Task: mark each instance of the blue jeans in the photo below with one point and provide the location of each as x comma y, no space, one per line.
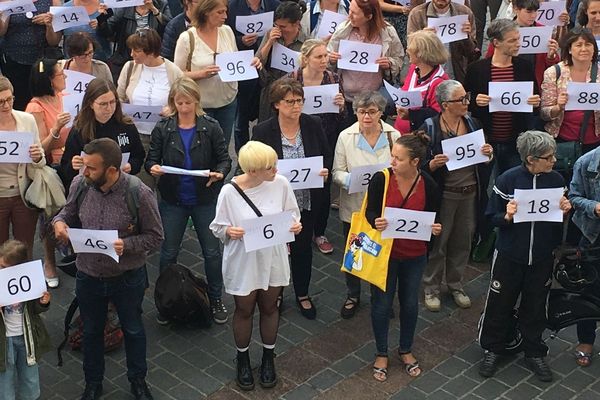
19,380
406,276
126,293
586,330
226,117
247,110
174,219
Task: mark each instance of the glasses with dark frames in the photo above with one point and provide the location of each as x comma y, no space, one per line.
465,100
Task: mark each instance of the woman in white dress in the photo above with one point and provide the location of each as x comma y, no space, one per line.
254,277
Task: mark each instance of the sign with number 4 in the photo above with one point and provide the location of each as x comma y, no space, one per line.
68,17
538,205
94,241
21,283
267,231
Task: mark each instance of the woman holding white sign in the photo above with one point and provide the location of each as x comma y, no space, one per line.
463,197
579,64
287,32
81,46
410,189
296,135
256,277
366,143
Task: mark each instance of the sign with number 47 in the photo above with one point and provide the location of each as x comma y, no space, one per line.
21,283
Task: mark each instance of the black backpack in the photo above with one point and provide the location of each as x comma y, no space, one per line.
182,297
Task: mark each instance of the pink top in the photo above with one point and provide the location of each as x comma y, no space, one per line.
50,114
571,125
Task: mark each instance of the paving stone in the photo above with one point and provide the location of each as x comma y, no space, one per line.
429,382
301,392
299,364
226,393
578,380
563,364
452,367
325,379
351,389
472,353
186,392
442,395
221,371
409,393
460,386
512,374
348,365
587,395
558,392
162,379
449,334
523,391
294,334
491,389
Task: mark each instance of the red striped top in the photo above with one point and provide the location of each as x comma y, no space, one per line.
502,120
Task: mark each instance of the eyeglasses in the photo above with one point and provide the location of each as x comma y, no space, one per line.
465,100
106,104
370,113
8,100
293,102
547,158
85,55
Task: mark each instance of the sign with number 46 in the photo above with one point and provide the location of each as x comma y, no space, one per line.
94,241
267,231
21,283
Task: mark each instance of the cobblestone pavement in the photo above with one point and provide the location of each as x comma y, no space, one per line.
328,358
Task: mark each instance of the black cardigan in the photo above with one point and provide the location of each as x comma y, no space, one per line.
314,141
478,76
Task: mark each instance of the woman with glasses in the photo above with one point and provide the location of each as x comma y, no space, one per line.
365,24
463,197
579,62
47,83
286,32
367,142
101,116
296,135
81,47
426,54
16,178
188,138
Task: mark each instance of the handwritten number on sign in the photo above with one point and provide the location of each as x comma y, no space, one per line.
73,17
451,29
285,60
363,60
542,207
366,179
296,173
141,115
549,14
514,99
333,27
254,27
4,147
403,223
80,88
98,243
231,67
533,42
268,233
13,288
583,98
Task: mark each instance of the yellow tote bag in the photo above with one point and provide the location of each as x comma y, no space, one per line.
367,254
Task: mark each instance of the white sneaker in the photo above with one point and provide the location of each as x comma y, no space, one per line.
432,302
461,299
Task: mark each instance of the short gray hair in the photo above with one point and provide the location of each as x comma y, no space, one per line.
500,27
535,144
444,91
366,99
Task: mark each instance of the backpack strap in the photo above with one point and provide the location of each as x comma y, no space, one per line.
246,198
129,73
132,198
557,70
471,123
188,64
68,319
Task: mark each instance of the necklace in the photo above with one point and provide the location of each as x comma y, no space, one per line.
449,131
291,139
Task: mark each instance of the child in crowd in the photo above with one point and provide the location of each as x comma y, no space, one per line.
26,336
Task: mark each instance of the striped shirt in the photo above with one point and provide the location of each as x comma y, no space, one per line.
502,120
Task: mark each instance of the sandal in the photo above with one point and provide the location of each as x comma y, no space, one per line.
412,369
583,359
348,312
380,373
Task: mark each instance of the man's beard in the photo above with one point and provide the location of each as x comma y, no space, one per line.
97,183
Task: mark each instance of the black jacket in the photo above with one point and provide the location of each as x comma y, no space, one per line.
314,141
174,28
208,151
478,76
126,135
526,242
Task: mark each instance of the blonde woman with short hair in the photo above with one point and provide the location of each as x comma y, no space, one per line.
255,277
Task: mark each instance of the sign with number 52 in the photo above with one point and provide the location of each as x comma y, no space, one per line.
94,241
21,283
267,231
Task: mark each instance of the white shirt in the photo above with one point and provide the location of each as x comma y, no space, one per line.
245,272
13,319
153,87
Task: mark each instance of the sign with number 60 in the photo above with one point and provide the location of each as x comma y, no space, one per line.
21,283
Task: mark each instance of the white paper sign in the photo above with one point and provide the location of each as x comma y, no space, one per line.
14,147
180,171
464,150
329,23
549,12
407,224
124,159
123,3
236,66
76,82
360,177
582,96
22,283
267,231
72,105
68,17
94,241
510,96
302,173
357,56
405,99
254,24
534,40
284,59
405,3
142,113
538,205
449,29
319,99
17,7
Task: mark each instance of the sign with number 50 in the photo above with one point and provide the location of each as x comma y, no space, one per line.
21,283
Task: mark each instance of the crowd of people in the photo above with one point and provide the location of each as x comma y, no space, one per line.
146,56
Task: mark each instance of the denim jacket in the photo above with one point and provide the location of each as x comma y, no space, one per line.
585,194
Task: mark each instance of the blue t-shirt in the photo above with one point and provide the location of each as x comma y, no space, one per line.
187,187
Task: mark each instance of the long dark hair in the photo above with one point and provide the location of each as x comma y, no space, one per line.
85,122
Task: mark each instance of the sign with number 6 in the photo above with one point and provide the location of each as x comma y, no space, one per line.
267,231
21,283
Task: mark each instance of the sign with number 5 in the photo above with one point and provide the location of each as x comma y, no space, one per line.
267,231
319,99
464,150
21,283
94,241
14,147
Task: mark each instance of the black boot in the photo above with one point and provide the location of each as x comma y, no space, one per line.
268,377
244,379
93,391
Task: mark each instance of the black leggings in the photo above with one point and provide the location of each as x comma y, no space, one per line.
269,316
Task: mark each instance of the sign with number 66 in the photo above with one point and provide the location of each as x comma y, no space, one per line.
267,231
21,283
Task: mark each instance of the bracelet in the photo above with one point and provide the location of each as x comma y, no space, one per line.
57,135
